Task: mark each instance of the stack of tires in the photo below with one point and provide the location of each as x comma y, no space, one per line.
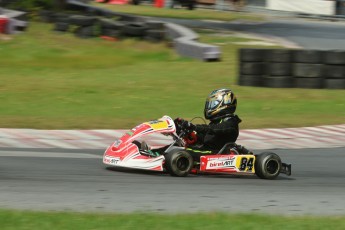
135,29
252,67
334,69
82,26
61,22
111,28
85,25
90,26
308,69
283,68
278,69
155,31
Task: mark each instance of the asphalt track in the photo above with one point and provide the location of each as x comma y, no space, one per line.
78,181
320,35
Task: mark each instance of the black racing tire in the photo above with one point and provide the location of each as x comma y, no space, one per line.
81,20
267,165
308,70
334,57
129,18
252,68
61,26
308,56
334,83
178,162
111,33
250,80
252,55
155,35
278,82
135,29
279,69
45,15
155,25
279,55
110,24
308,83
61,17
334,71
85,32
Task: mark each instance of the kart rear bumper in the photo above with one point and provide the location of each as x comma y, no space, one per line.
286,169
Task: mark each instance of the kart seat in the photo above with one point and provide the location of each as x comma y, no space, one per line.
233,148
227,148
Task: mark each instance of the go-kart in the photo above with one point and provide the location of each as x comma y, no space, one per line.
178,161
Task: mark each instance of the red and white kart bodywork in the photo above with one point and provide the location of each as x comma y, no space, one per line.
179,162
123,152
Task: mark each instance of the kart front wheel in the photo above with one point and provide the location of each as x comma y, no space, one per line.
178,162
267,165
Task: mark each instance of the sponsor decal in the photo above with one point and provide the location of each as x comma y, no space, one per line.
117,143
158,124
155,122
130,133
221,158
111,160
218,163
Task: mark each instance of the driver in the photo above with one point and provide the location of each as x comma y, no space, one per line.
223,128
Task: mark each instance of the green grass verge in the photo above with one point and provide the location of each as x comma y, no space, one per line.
181,13
18,220
57,81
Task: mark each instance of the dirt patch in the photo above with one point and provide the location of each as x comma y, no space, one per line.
5,37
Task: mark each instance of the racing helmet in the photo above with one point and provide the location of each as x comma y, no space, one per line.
220,103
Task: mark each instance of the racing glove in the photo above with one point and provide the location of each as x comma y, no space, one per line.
178,121
188,126
183,124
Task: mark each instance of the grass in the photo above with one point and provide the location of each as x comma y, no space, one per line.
181,13
57,81
18,220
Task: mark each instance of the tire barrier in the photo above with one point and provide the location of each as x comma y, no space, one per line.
84,26
135,29
183,39
284,68
155,35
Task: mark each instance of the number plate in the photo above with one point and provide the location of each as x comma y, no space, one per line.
245,163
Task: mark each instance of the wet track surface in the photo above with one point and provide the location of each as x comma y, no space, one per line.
78,181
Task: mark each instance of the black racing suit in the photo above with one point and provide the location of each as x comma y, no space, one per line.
215,135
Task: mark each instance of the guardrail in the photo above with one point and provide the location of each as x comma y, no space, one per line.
284,68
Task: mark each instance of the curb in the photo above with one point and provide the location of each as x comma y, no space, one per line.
327,136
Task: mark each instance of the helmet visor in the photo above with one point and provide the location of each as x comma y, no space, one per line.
212,103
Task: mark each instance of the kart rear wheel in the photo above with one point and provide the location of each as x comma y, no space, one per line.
178,162
267,165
